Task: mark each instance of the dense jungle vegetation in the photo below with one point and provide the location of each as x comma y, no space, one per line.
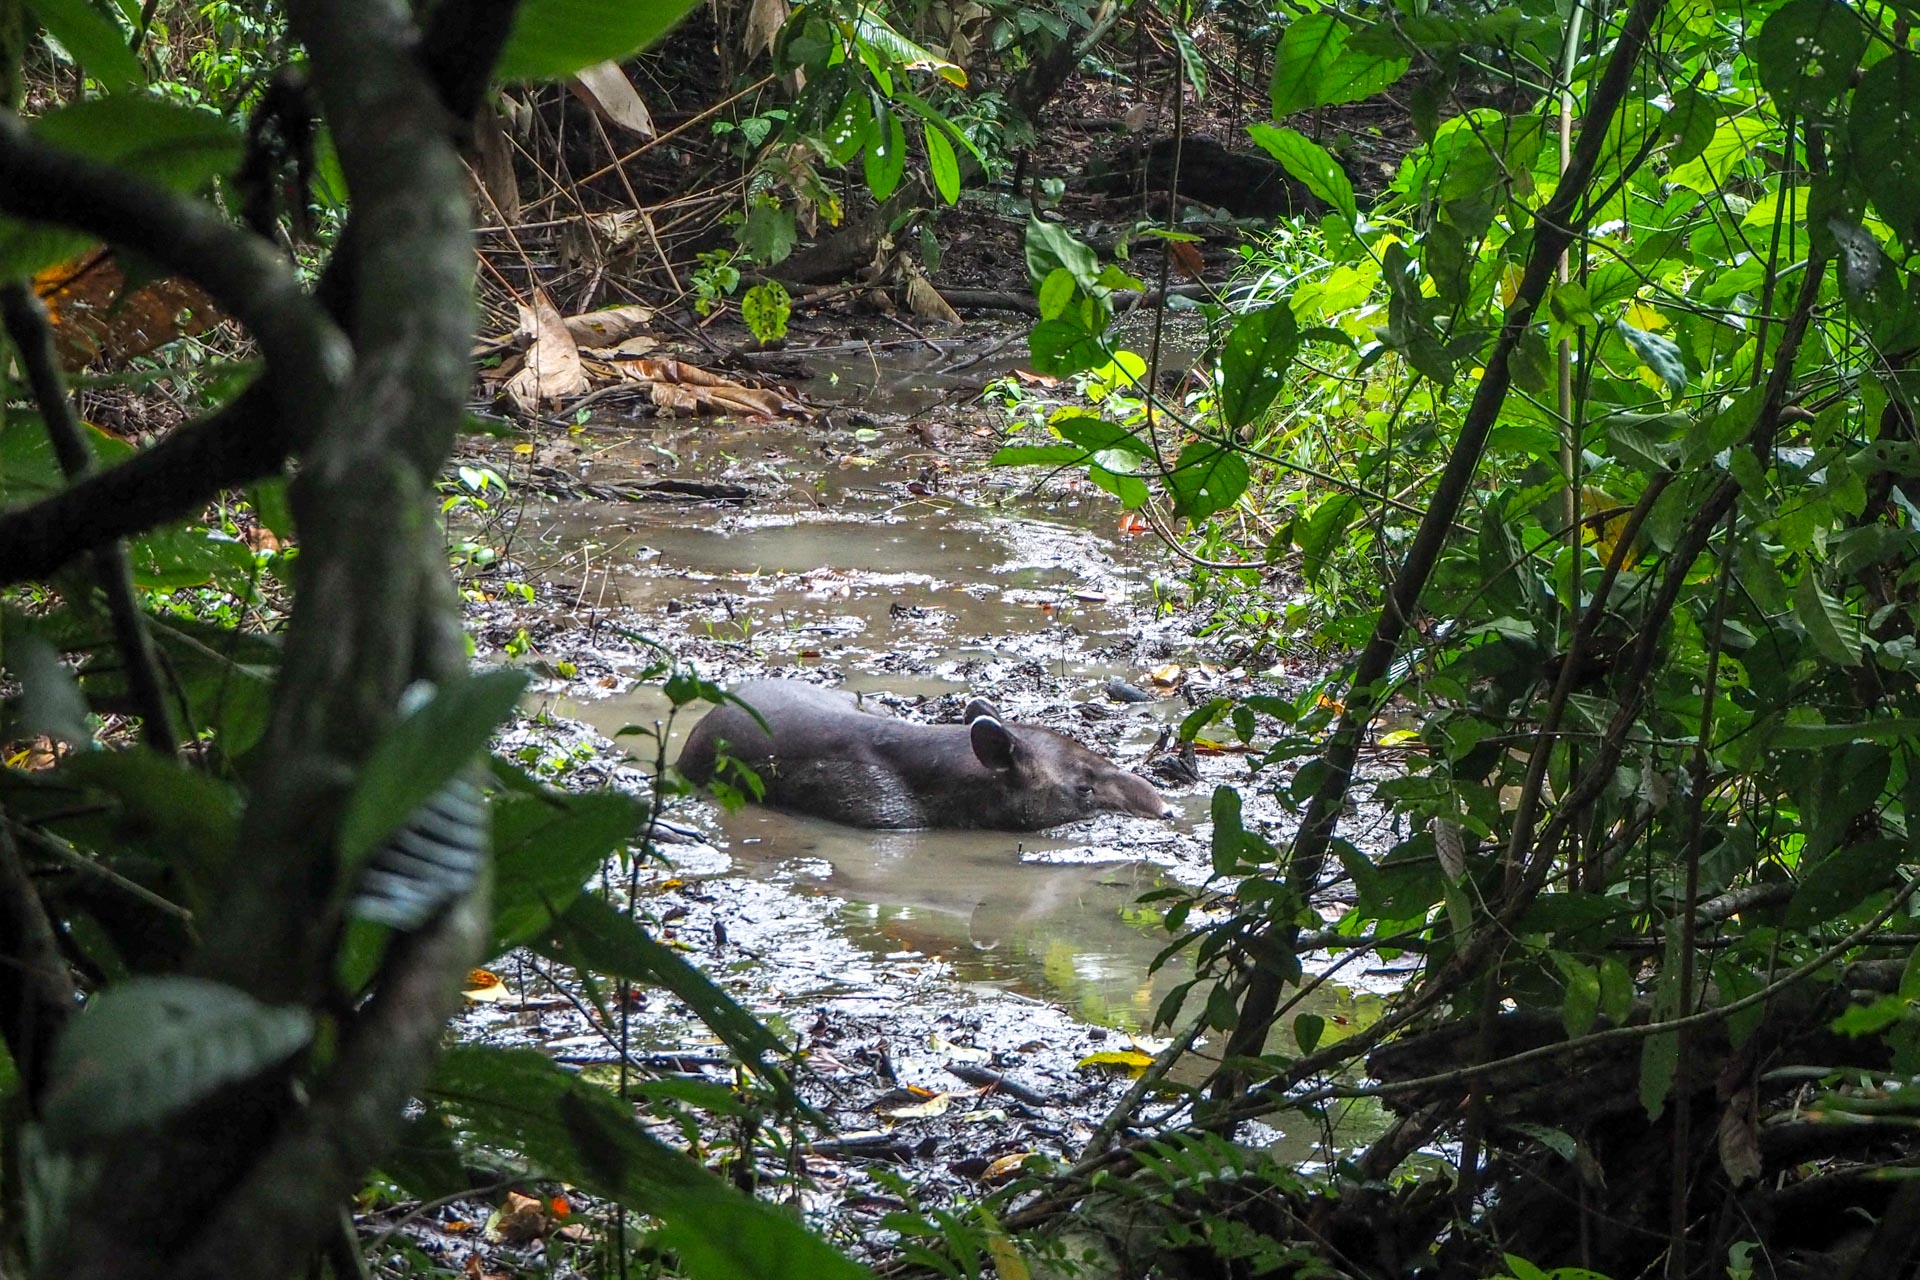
1561,398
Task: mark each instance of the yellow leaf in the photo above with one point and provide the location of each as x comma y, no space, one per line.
1643,316
1005,1167
523,449
484,987
935,1106
1131,1060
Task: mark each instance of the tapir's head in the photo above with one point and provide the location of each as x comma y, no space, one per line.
1050,778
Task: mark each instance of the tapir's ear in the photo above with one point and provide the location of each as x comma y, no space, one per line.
993,746
976,708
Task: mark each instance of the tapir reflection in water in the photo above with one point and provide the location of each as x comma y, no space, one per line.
821,754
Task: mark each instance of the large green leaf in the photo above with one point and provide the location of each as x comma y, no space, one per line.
886,155
1207,478
148,1048
1050,246
554,38
96,41
175,147
422,752
1253,363
1827,623
1806,52
517,1099
1886,140
1309,162
1843,880
545,848
945,165
1314,67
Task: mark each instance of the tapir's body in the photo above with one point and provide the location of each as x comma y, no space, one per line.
821,754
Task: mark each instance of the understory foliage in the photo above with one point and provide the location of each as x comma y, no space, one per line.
1599,455
245,869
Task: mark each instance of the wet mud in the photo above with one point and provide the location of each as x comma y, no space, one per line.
878,553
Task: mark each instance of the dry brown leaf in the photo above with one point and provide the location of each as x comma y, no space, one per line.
493,168
925,301
96,317
609,325
605,88
764,21
679,387
1186,259
552,369
633,348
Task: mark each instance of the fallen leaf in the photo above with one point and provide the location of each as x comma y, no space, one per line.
679,387
1132,523
96,317
958,1052
484,987
935,1106
764,21
925,301
605,88
1167,676
551,368
610,325
1036,379
1131,1060
1186,259
1005,1167
493,167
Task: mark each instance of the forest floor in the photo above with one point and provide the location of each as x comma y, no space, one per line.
961,1000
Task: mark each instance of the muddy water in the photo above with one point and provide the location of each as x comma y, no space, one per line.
878,554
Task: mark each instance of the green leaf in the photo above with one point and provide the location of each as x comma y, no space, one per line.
847,131
421,753
1253,364
1885,138
1314,67
886,158
765,309
1056,291
1816,737
1061,348
1659,1060
544,849
96,41
1662,355
1616,992
1806,52
945,165
1580,1007
1191,60
1843,880
1307,50
150,1047
518,1100
50,702
180,817
1096,434
1827,623
592,935
176,147
1205,479
1050,245
1309,162
1324,527
555,38
169,559
1307,1030
1690,124
768,232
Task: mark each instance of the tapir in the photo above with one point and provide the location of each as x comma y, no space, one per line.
820,753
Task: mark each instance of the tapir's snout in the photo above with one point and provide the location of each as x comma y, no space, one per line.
1142,799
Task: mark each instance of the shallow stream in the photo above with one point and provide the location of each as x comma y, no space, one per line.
879,553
